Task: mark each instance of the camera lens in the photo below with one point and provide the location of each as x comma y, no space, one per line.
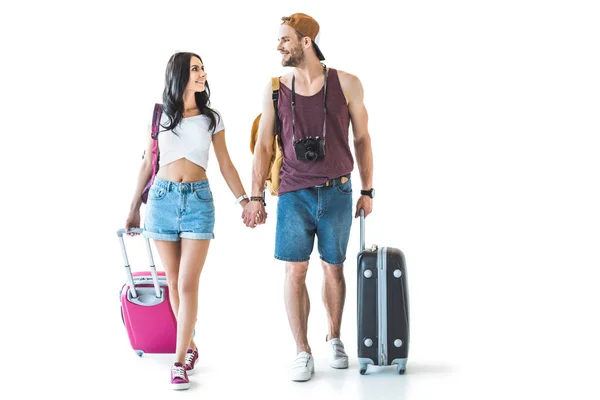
310,155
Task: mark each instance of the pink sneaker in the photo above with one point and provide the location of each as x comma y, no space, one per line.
179,378
190,360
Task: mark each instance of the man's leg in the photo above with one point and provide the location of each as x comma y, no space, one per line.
333,231
334,295
297,303
294,240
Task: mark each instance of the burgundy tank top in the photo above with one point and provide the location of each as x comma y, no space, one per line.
300,174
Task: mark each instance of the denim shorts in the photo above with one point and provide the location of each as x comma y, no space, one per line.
322,211
177,210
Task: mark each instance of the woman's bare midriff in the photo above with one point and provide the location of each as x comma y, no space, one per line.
182,170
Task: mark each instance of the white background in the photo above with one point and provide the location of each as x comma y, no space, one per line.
484,123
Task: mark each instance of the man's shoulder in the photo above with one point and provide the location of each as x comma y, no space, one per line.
268,85
347,78
286,79
350,84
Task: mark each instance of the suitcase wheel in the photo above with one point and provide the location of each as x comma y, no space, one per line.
139,353
363,369
400,370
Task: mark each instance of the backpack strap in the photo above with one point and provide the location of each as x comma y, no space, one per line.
156,120
155,125
275,83
275,87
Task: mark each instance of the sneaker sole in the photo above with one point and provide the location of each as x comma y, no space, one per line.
180,386
303,378
339,364
189,372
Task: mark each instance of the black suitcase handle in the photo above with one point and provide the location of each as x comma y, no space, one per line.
362,229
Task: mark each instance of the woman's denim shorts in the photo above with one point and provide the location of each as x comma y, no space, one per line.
177,210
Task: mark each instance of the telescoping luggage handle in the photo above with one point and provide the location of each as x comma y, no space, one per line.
120,234
362,229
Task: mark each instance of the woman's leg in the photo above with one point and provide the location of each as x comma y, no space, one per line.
170,255
193,255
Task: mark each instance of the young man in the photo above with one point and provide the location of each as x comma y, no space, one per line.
315,108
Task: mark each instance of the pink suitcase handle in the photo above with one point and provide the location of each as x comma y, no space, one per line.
120,234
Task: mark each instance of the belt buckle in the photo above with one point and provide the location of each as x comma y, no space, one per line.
334,182
328,182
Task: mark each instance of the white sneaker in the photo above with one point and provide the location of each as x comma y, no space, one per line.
337,357
302,368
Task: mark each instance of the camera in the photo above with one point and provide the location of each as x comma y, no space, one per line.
309,149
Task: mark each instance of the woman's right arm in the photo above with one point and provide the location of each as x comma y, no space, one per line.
145,172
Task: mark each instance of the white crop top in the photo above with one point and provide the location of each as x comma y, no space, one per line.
192,140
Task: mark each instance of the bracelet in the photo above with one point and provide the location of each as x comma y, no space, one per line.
239,199
258,198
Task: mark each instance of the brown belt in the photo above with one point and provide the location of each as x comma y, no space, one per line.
336,181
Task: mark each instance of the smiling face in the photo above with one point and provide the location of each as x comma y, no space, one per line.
197,81
290,46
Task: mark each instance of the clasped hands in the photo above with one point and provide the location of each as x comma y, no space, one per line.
254,214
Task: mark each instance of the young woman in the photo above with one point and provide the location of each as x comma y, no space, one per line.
180,211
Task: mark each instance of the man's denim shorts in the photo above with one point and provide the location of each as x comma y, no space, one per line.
322,211
179,210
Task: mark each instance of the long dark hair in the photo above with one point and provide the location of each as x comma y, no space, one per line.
177,76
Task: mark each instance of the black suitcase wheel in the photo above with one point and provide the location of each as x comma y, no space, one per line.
363,370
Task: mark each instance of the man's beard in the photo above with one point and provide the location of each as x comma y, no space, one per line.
296,57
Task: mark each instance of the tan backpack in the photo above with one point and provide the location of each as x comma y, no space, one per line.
272,182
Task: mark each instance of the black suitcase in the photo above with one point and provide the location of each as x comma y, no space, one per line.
383,308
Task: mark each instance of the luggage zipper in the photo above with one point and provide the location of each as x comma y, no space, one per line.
382,300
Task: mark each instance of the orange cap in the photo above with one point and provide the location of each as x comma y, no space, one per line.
307,26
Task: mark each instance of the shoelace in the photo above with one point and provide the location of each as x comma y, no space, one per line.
178,372
189,358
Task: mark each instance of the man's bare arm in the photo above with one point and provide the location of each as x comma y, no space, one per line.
263,152
359,118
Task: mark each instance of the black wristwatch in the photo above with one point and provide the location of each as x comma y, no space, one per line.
370,193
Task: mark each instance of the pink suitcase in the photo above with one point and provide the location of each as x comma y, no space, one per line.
145,306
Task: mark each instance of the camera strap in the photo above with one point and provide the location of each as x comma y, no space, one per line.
324,105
